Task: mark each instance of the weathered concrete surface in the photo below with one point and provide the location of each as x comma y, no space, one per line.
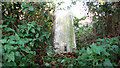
64,37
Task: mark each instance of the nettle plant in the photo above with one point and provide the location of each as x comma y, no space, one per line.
103,52
26,32
26,35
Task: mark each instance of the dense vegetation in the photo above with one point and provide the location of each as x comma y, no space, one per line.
27,36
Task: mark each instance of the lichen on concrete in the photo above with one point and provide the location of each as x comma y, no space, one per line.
64,31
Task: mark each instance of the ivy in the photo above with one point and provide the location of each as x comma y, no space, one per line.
27,33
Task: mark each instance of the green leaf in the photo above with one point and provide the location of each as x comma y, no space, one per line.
85,55
41,38
46,64
115,46
12,37
107,45
59,60
21,26
26,5
33,22
38,28
18,54
12,42
26,40
98,43
89,51
12,21
76,51
100,40
107,62
71,64
9,64
3,26
32,44
34,53
29,27
96,49
10,29
106,53
21,64
49,53
62,61
33,30
21,42
6,56
3,40
17,36
11,56
47,36
79,57
93,46
8,48
37,35
31,8
25,10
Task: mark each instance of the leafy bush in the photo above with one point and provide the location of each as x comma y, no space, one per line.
105,20
102,52
84,35
28,38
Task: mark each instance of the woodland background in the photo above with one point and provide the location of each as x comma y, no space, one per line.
27,33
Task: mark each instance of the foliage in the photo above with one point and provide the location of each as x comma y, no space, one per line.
105,23
105,19
84,35
102,52
27,37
